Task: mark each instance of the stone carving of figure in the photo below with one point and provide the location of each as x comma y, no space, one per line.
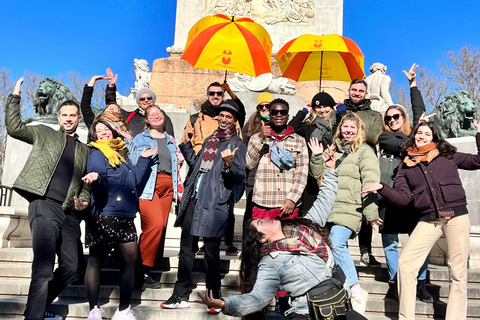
378,87
229,7
295,11
264,82
142,73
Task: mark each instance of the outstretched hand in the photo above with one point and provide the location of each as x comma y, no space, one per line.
112,79
124,134
94,79
16,89
227,156
79,204
91,177
411,76
148,153
425,118
376,222
329,158
315,147
372,188
210,301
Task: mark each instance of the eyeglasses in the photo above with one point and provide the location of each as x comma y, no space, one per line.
146,98
275,112
212,93
394,117
155,115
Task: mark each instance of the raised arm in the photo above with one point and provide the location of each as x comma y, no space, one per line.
13,120
111,90
418,106
86,103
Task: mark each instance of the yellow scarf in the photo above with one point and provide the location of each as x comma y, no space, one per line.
109,149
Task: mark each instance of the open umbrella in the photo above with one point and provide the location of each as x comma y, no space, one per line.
328,57
230,44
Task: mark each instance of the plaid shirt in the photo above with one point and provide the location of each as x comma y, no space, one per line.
298,239
272,185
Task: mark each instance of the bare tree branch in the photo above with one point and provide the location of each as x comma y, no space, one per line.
434,87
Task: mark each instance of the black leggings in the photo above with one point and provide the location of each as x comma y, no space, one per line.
128,253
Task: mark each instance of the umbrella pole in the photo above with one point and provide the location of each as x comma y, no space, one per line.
321,66
225,80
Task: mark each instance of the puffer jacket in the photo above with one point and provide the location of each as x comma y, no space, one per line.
294,273
357,171
47,148
372,120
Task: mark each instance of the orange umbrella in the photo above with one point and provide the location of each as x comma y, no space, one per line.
230,44
329,57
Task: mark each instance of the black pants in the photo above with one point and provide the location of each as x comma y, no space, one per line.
365,238
53,232
188,247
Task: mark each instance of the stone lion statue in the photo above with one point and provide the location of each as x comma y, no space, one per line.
50,95
455,115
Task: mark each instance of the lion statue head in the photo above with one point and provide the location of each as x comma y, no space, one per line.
455,115
50,95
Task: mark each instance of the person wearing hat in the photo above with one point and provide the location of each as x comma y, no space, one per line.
215,182
136,119
315,120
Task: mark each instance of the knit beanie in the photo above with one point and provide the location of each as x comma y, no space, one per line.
143,90
264,97
323,99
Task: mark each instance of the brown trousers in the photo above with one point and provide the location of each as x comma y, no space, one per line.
421,241
154,215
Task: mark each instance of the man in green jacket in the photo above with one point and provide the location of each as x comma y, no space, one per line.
51,181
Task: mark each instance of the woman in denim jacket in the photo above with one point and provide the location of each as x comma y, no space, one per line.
160,190
283,263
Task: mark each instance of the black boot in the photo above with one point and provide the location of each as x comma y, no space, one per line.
392,292
422,292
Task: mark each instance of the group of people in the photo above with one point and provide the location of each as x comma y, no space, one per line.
333,172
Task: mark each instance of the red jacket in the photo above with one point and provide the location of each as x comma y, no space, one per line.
433,187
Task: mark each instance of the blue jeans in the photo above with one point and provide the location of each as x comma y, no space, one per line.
390,247
339,236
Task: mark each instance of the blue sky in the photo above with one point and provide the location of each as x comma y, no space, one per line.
50,37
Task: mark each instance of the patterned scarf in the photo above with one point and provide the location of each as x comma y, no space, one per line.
110,149
114,120
211,147
425,153
298,239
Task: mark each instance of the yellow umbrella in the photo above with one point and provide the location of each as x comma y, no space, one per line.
230,44
329,57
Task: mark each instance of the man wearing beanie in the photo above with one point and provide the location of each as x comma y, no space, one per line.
136,119
202,124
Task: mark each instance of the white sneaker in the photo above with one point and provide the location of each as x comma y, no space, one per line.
175,302
126,314
359,303
95,314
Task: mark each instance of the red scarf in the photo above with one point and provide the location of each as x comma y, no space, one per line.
425,153
279,138
211,148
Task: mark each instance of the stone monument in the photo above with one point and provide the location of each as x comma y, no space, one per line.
379,87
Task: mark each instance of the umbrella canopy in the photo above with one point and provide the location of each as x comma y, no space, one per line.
229,43
327,57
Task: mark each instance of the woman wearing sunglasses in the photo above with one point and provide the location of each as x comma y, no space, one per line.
315,120
396,129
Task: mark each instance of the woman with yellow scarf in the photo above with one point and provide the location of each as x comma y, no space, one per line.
115,186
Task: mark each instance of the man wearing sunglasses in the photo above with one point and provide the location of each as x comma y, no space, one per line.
202,124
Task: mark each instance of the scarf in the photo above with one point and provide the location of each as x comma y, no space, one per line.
424,153
208,109
211,147
110,149
279,138
140,111
298,239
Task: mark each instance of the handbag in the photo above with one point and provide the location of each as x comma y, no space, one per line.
281,157
329,299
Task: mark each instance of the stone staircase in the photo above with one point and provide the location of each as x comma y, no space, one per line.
15,264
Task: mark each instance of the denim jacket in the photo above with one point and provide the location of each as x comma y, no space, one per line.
145,140
291,272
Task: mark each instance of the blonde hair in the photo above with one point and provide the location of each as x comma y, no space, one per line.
405,129
359,139
312,115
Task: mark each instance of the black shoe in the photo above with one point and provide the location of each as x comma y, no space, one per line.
392,292
422,292
175,302
148,282
368,260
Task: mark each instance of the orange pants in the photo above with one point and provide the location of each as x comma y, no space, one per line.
154,215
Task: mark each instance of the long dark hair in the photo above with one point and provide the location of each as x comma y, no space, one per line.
254,124
92,132
251,249
445,149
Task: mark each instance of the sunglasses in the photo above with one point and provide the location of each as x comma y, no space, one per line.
394,117
146,98
262,106
212,93
283,112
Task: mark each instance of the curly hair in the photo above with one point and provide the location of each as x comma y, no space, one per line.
279,101
359,139
444,148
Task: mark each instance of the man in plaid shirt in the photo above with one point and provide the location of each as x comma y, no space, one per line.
277,192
